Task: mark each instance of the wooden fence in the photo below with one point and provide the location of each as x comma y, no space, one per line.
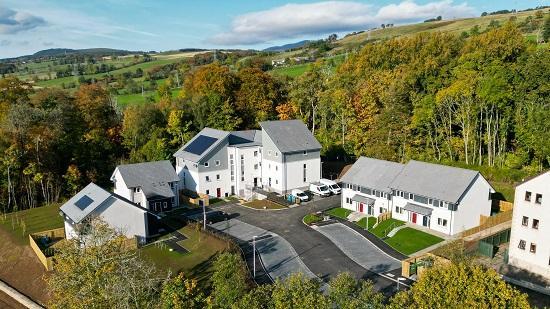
384,216
47,261
504,206
488,222
417,265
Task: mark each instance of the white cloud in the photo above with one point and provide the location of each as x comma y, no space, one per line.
296,20
12,22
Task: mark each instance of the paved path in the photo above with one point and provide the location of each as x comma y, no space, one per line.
318,253
358,248
278,256
11,295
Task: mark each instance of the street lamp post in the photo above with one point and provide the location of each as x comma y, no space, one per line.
254,255
203,216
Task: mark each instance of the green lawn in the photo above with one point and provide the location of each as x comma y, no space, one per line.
32,221
260,204
384,227
371,221
339,212
202,247
409,240
311,218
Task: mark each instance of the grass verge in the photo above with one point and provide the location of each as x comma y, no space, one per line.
311,218
339,212
409,240
367,222
384,227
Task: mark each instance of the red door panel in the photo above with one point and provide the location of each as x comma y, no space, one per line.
414,218
361,207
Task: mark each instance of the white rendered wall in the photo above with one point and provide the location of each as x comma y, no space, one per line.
123,217
534,262
355,206
475,202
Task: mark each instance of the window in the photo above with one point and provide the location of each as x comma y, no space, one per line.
232,167
538,199
276,167
207,192
269,152
401,193
535,224
218,177
442,222
255,153
377,193
137,189
382,210
521,244
533,248
366,190
218,162
348,200
206,164
207,178
242,178
276,153
255,166
398,209
305,173
527,196
276,181
420,199
165,205
525,221
305,152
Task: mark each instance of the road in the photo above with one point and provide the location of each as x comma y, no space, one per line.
319,254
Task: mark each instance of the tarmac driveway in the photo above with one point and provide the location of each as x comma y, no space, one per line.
318,252
358,248
278,256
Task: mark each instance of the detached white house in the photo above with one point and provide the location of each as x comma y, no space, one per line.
120,214
152,185
443,198
530,236
283,156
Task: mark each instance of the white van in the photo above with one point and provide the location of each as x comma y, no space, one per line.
332,186
299,194
319,189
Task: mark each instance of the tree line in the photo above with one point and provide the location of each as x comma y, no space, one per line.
480,99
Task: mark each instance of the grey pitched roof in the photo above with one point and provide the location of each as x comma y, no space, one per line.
152,177
437,181
290,135
92,197
363,199
372,173
219,135
245,138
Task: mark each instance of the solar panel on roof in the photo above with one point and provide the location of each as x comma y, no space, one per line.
200,144
84,202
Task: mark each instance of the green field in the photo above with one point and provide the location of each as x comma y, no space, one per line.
124,100
22,223
409,240
291,71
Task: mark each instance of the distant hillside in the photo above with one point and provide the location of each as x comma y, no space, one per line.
56,52
287,46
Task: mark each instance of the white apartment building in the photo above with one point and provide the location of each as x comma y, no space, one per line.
283,156
443,198
530,236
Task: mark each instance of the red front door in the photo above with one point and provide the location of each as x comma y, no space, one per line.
219,192
360,207
414,217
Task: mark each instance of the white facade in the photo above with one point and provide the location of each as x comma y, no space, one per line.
382,200
530,236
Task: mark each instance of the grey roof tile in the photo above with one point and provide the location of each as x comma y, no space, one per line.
152,177
372,173
437,181
290,135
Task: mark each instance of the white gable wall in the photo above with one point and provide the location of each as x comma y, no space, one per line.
475,203
537,262
123,217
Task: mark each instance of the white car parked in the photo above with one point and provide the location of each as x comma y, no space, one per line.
319,189
301,195
332,186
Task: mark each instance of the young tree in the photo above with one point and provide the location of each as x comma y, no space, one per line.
229,281
98,270
299,292
348,293
460,285
182,293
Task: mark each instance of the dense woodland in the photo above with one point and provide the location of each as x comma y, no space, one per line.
477,99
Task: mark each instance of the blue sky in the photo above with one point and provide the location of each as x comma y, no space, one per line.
32,25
